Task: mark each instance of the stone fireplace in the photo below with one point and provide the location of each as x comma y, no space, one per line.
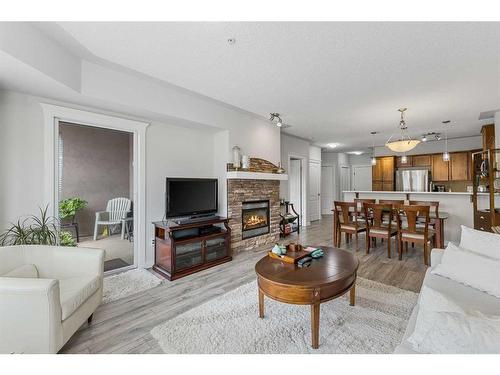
253,208
255,218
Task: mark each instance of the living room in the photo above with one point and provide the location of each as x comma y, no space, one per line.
168,190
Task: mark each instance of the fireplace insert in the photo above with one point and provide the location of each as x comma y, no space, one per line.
255,218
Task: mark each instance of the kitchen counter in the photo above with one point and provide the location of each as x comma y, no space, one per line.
458,205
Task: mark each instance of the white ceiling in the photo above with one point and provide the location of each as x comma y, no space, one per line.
332,82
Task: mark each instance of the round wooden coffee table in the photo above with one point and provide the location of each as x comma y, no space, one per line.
326,278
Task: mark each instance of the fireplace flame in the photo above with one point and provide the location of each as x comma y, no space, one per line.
254,220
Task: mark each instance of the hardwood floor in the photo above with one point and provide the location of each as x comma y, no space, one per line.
123,326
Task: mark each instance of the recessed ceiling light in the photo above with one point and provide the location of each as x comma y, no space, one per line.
356,152
332,145
231,41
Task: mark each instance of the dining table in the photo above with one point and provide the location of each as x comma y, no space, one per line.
438,221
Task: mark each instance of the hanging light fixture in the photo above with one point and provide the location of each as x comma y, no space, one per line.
373,158
404,159
446,154
405,143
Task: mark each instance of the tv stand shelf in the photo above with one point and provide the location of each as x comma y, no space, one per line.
182,249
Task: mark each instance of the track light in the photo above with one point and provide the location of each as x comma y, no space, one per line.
274,116
424,138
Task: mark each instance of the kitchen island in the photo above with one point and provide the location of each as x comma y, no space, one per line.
458,205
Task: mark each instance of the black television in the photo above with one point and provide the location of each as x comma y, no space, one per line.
191,197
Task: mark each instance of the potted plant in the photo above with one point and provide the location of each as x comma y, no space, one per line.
36,230
69,207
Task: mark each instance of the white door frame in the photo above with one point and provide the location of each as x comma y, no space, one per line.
303,215
54,114
317,162
341,193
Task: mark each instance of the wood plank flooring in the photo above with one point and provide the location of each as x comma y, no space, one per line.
123,326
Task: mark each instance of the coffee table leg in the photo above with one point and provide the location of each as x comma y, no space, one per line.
261,304
352,295
315,325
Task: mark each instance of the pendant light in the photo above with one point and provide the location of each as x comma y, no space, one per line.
373,158
405,143
404,159
446,154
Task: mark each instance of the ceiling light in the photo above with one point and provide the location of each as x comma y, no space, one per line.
356,152
405,143
424,138
332,145
373,158
231,41
438,137
274,116
404,159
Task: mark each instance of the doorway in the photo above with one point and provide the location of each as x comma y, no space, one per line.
327,189
314,190
362,177
96,191
345,180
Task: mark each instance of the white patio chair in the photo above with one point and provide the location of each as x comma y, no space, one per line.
116,210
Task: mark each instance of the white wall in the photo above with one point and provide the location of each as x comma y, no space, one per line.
497,129
456,144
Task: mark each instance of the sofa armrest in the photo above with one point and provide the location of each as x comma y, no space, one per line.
436,256
30,316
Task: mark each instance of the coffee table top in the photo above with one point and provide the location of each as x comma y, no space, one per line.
336,265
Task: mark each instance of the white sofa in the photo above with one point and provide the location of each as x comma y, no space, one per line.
46,294
463,295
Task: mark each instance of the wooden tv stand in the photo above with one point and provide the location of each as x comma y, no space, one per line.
183,249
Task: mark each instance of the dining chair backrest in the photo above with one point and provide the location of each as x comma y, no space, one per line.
394,202
434,205
360,201
345,212
412,213
375,215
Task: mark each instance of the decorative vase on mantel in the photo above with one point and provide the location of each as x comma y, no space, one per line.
245,162
236,157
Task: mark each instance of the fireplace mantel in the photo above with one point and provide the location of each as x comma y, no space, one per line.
242,175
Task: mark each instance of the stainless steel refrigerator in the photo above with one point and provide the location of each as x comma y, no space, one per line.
412,180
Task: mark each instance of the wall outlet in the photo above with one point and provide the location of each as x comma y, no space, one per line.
153,241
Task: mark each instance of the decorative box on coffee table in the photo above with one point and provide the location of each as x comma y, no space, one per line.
183,249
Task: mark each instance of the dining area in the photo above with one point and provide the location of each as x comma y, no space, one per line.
415,223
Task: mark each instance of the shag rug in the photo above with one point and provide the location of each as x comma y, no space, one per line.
127,283
231,324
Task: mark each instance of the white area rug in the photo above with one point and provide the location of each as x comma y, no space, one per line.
231,324
128,283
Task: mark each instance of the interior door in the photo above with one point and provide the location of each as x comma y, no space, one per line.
314,191
295,185
362,178
326,190
345,180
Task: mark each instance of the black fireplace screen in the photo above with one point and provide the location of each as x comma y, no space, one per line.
255,218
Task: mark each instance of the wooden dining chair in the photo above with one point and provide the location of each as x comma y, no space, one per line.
434,206
359,207
375,226
346,222
410,233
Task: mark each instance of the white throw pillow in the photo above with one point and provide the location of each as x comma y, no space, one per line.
477,241
471,269
27,271
442,327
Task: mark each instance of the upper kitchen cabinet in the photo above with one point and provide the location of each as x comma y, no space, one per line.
421,160
440,168
383,174
488,133
400,164
460,166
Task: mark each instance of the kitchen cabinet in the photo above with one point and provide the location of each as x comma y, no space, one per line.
459,166
421,160
408,163
440,168
488,134
383,174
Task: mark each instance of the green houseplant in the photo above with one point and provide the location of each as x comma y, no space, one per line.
36,230
70,206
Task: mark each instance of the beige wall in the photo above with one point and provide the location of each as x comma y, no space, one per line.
96,167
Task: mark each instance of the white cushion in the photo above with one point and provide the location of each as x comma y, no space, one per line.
26,271
471,269
442,326
477,241
75,291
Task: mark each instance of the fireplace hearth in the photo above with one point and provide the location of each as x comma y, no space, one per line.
255,218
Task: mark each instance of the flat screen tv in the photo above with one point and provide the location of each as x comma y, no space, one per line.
191,197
